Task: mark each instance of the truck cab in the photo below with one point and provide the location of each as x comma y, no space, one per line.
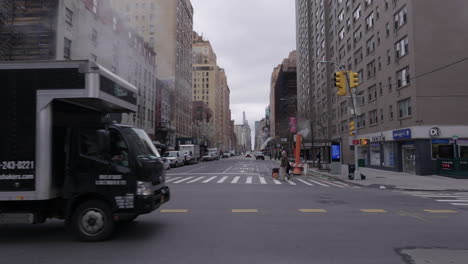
61,156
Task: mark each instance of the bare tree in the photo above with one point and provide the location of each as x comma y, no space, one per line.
206,131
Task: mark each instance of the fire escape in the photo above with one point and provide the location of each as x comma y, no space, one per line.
26,29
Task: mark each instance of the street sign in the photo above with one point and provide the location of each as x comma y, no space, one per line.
402,134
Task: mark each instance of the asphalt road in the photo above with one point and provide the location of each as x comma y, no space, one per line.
231,211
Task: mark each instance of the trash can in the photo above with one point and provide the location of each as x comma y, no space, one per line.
351,170
275,173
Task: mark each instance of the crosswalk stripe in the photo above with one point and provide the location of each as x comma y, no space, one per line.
276,181
451,201
460,204
249,180
235,179
262,180
173,179
334,184
316,182
184,179
441,196
341,183
197,179
223,179
291,182
307,183
210,179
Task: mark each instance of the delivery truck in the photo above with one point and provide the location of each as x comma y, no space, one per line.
191,153
61,157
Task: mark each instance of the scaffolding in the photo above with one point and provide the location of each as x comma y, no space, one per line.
27,29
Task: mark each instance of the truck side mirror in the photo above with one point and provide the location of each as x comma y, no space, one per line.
103,141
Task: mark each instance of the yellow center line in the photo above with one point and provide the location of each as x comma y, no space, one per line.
244,210
312,210
373,211
441,211
174,211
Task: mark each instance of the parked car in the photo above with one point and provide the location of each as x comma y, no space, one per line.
226,155
208,157
248,155
259,155
176,158
166,163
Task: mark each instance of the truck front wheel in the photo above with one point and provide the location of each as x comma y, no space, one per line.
92,221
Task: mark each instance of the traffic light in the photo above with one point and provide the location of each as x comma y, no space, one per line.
364,141
351,128
340,83
353,79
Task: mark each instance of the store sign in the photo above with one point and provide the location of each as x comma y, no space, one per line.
292,125
435,132
402,134
447,165
377,138
356,142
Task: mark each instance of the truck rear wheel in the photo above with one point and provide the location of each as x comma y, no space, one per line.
92,221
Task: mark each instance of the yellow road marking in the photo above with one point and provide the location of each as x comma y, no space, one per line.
312,210
174,211
244,210
373,211
441,211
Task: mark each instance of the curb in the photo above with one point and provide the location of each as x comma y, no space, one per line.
390,187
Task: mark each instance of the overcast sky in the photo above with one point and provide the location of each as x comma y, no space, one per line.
249,37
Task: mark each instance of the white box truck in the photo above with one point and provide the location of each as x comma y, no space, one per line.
191,152
58,159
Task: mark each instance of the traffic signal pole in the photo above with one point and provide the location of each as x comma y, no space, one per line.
353,93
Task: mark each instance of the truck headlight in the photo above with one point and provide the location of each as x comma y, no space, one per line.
144,188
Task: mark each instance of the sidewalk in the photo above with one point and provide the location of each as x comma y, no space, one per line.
399,180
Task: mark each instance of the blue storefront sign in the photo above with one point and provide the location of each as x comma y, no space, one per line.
402,134
336,153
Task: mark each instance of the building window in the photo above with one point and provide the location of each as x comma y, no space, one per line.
357,35
390,111
361,121
389,84
357,13
381,115
341,35
69,16
377,13
404,108
361,100
368,3
95,6
370,45
358,56
380,89
67,48
400,18
341,16
372,93
401,47
373,117
361,75
370,21
403,77
94,36
371,69
389,58
386,5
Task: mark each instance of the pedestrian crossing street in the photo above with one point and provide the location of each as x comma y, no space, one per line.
453,198
310,181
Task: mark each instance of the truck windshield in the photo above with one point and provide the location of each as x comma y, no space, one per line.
170,154
141,143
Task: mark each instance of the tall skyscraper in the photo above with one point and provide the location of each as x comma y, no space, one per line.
411,99
167,25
